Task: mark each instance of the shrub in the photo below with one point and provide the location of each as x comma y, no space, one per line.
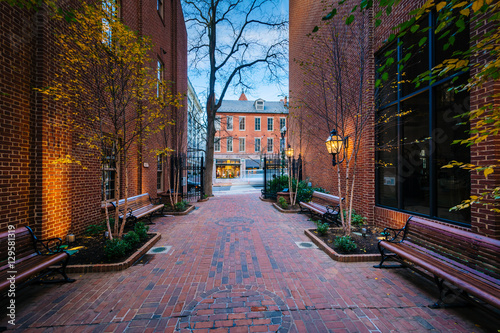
321,227
181,205
96,229
132,238
304,193
141,230
356,219
116,248
277,184
345,243
282,202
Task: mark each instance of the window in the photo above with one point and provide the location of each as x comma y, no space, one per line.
160,7
159,173
415,129
229,123
259,104
282,123
217,123
257,144
242,144
269,145
242,123
229,144
257,123
160,79
270,124
111,13
217,143
108,170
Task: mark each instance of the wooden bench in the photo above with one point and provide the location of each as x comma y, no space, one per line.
139,207
468,261
325,205
27,258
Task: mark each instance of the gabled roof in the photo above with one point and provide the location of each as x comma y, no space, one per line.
241,106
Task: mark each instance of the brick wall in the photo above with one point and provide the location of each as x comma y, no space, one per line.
55,199
308,130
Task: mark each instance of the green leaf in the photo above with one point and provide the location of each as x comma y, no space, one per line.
316,28
385,76
349,20
391,38
377,22
422,41
388,53
414,28
378,82
330,15
406,57
389,61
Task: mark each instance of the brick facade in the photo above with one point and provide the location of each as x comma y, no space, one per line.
57,199
309,140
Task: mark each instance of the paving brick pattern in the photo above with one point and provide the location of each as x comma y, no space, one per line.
234,266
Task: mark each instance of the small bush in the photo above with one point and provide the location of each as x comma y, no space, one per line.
181,205
345,243
116,248
95,229
141,230
356,219
321,227
277,184
282,202
132,238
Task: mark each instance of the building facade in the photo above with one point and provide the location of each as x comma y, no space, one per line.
246,131
36,131
409,129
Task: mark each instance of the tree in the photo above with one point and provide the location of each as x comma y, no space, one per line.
229,34
485,120
337,66
108,80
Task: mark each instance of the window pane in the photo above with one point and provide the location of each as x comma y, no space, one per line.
453,185
386,63
387,157
229,144
257,144
418,61
217,144
257,124
461,43
242,123
282,123
229,123
217,123
270,124
269,145
242,144
415,154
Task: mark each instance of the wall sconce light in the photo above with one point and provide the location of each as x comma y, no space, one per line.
335,144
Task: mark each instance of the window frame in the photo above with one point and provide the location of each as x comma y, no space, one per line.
217,123
217,144
270,140
270,128
242,120
282,119
229,122
229,144
109,170
240,142
255,145
259,122
159,173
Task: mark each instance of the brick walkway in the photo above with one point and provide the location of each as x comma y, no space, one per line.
234,266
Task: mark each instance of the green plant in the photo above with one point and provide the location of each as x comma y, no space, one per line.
181,205
96,229
282,202
321,228
116,248
132,238
356,219
141,230
304,192
277,184
345,243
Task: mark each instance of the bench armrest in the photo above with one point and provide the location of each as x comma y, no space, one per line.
332,210
393,235
48,246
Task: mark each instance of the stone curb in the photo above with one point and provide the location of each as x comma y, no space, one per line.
101,268
285,211
339,257
187,211
266,200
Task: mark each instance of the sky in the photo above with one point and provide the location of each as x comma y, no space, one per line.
263,89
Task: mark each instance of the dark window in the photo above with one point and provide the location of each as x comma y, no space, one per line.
416,127
108,171
159,173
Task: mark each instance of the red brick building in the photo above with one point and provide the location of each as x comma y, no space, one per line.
56,199
409,130
245,132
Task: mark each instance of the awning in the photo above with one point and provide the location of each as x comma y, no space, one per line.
252,164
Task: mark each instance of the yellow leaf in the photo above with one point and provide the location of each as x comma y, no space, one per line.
465,12
488,171
440,5
476,5
76,248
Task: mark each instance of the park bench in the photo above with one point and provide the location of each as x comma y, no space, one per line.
468,261
25,258
326,206
139,207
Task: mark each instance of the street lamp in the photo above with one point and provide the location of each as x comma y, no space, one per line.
289,152
335,144
282,148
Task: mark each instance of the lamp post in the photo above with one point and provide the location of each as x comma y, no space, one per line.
282,147
336,144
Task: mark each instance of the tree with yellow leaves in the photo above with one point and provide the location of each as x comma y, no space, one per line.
108,80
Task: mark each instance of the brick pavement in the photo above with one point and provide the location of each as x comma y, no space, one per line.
234,266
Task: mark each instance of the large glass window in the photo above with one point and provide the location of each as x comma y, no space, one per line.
416,126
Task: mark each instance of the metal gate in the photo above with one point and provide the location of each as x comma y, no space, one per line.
276,165
187,175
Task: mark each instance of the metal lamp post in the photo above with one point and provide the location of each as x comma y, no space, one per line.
336,144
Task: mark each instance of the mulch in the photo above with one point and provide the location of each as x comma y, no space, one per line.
365,245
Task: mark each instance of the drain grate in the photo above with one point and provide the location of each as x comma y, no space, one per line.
306,245
159,250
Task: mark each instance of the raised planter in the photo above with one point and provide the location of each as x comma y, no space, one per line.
266,200
336,256
100,268
286,211
202,200
285,195
187,211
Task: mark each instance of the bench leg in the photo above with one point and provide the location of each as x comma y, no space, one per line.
447,296
61,270
384,257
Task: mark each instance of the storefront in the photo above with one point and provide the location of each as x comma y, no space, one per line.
227,169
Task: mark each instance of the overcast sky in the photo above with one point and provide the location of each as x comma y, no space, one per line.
264,90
